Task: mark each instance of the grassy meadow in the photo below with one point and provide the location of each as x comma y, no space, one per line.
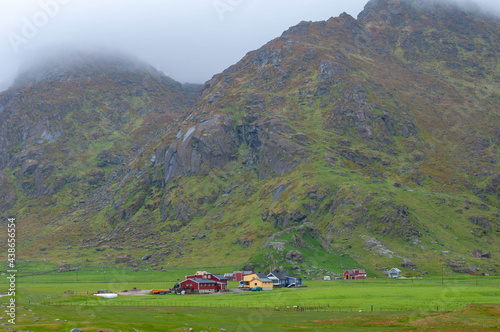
62,301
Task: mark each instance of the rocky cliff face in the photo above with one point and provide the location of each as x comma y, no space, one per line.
369,142
216,141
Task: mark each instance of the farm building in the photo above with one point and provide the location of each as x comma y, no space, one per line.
257,280
394,273
355,274
204,282
284,279
238,275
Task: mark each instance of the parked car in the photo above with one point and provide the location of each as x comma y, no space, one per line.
256,289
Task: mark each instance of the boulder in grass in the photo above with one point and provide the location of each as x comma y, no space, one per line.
123,259
146,257
477,253
409,263
486,255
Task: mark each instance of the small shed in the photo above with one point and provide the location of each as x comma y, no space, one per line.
394,273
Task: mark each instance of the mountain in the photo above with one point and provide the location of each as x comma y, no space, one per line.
368,142
70,122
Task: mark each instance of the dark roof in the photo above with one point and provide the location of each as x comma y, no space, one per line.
279,275
219,276
202,281
261,275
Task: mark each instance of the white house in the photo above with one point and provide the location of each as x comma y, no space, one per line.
394,273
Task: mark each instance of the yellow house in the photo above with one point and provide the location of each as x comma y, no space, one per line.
257,280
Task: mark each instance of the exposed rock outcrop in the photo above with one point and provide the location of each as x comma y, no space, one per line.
294,257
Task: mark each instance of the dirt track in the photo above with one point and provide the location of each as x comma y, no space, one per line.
136,292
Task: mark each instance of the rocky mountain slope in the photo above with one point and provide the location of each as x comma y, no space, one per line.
368,142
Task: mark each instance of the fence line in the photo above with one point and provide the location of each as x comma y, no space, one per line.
274,307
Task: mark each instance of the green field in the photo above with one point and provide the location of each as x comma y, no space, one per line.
62,301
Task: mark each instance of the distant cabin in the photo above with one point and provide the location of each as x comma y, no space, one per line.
394,273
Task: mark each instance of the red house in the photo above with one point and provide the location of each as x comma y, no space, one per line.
203,282
238,275
355,274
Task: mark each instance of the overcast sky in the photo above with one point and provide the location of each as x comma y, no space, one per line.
189,40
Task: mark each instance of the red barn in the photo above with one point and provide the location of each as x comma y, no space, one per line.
355,274
203,282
